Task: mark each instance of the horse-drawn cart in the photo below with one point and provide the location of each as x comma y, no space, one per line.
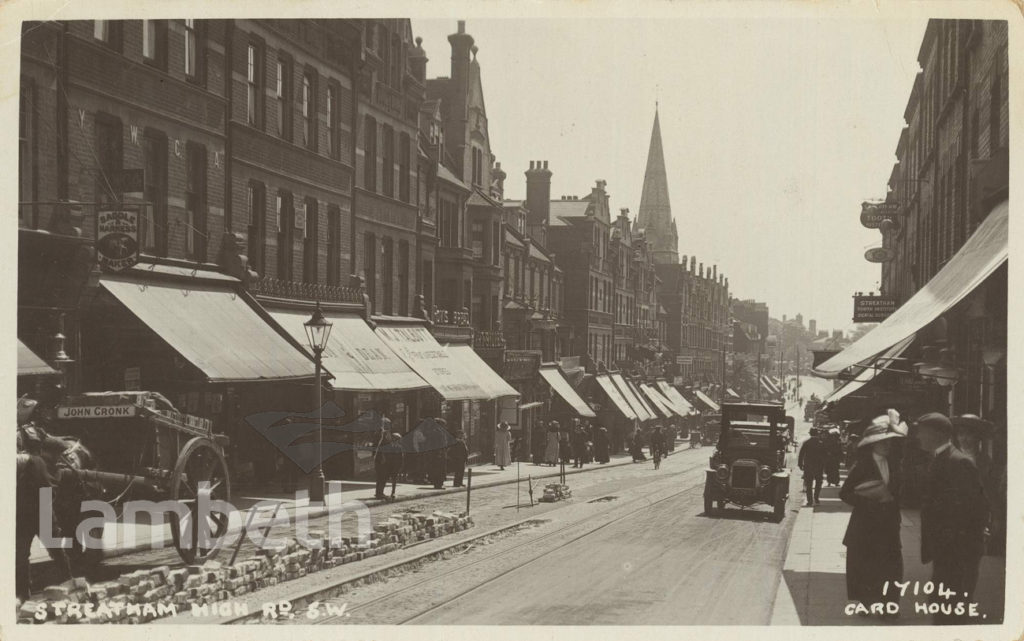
122,446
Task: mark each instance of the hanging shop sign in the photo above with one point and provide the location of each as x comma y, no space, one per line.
872,309
879,255
872,215
117,239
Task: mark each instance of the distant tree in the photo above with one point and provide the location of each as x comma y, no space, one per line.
860,330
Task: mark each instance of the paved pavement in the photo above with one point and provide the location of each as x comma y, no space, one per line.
813,589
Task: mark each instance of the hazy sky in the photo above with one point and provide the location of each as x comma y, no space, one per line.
774,132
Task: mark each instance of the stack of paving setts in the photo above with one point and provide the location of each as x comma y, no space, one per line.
555,492
144,595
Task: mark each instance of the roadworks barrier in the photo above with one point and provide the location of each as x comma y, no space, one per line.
145,595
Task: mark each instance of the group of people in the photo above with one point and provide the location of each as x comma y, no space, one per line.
659,443
955,511
427,453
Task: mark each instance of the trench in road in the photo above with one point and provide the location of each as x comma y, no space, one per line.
660,563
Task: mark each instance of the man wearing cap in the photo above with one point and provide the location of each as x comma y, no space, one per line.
972,433
812,461
873,550
954,514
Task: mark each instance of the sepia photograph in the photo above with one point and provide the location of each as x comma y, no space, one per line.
647,318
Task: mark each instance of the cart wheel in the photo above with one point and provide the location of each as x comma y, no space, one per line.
200,462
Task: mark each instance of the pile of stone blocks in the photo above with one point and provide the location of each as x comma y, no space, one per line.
555,492
127,598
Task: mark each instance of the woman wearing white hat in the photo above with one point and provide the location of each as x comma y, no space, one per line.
873,550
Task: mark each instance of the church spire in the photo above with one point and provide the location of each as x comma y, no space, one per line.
655,214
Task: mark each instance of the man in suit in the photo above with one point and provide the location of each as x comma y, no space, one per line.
954,514
812,461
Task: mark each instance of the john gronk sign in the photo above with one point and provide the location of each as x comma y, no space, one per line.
117,239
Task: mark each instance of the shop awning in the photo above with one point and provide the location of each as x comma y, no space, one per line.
358,359
769,385
416,346
984,252
532,405
615,396
665,406
214,328
707,401
731,392
565,390
29,364
868,374
643,400
766,387
673,395
634,402
482,373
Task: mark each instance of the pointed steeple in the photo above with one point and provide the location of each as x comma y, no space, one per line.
655,215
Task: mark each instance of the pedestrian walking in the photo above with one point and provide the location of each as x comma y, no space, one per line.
833,456
551,451
503,445
579,446
387,462
873,550
601,445
636,446
539,443
954,516
812,461
974,436
458,454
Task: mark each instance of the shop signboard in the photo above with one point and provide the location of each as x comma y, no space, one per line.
97,411
117,239
872,309
879,255
872,215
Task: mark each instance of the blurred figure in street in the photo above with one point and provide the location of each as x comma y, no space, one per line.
564,448
503,445
812,461
873,550
458,454
657,446
551,451
539,443
436,446
387,462
954,514
601,445
636,446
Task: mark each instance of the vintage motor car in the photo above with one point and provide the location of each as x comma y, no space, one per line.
749,463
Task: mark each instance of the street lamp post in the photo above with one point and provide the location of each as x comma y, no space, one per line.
318,329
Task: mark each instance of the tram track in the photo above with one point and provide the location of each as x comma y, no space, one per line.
379,603
332,593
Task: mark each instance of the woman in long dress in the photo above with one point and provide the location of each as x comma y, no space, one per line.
601,445
551,451
873,550
503,446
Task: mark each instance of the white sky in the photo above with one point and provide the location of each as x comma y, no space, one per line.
774,130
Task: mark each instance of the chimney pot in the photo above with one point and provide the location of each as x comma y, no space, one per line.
545,164
531,164
462,26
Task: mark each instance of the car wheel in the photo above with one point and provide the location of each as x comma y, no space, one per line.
707,506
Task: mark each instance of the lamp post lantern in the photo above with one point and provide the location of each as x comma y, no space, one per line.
318,329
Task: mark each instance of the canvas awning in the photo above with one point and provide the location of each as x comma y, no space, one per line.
482,373
707,401
868,374
984,252
565,390
769,385
665,406
29,364
643,400
214,328
416,346
766,387
615,396
634,403
673,395
358,359
731,392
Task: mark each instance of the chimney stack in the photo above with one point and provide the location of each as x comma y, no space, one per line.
418,61
538,193
461,43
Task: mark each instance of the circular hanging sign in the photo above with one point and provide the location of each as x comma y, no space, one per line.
879,255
